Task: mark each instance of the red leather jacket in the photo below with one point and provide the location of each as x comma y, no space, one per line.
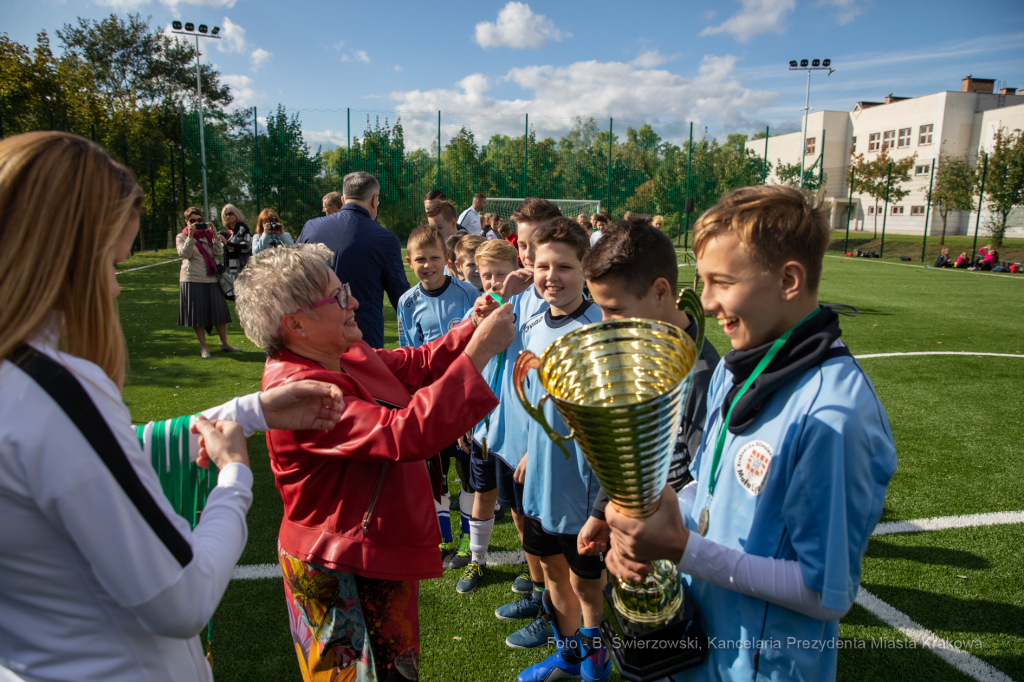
358,497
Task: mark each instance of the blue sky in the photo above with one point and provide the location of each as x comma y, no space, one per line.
714,63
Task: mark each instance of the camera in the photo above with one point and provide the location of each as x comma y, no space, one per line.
275,228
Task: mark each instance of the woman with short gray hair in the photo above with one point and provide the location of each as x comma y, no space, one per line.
359,517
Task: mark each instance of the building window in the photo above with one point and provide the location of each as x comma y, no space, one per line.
809,147
926,134
871,210
873,142
922,169
917,210
853,148
897,210
904,139
889,138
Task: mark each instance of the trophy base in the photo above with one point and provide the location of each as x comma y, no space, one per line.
639,652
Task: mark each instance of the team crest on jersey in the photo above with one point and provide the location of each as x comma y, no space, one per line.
752,464
452,324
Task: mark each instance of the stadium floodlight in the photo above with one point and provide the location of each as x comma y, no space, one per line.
203,29
190,29
808,66
816,62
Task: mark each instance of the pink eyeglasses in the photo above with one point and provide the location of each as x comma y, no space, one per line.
341,298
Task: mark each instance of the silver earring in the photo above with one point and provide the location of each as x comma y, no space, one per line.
303,334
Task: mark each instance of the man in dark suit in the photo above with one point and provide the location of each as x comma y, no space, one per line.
366,256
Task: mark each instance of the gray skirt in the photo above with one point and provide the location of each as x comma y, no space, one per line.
202,304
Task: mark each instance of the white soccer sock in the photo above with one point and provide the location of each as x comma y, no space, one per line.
479,538
465,509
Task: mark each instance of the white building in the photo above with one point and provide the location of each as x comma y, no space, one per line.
943,123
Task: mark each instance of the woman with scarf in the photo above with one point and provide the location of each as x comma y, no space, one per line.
201,301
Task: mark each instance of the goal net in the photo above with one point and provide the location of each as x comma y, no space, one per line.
570,208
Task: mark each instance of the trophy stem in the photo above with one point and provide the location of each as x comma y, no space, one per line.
637,513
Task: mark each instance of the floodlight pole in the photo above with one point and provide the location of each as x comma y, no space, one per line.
807,106
199,97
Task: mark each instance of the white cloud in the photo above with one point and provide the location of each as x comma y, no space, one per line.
357,56
258,58
361,56
755,17
397,67
340,44
517,26
633,90
242,89
233,37
848,9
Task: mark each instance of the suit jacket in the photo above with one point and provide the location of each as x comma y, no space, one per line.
366,256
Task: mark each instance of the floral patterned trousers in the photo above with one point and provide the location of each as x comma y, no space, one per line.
347,628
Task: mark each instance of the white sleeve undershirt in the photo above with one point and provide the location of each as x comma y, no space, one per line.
775,580
246,410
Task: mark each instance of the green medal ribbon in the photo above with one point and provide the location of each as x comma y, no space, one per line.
702,522
495,383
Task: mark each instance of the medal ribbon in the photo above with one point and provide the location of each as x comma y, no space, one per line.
724,427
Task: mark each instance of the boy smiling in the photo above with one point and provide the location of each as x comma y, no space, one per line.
796,457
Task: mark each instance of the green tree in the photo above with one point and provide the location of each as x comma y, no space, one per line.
1004,182
462,169
289,177
871,177
953,187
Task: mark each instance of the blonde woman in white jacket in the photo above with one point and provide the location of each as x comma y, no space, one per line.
99,578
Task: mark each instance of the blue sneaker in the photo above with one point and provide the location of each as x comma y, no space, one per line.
597,666
524,607
554,667
535,634
471,577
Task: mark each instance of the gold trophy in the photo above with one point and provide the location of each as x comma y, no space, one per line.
620,387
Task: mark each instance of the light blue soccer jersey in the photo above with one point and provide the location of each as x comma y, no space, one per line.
804,482
424,316
557,492
505,441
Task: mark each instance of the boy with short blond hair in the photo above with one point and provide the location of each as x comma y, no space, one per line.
490,477
795,460
559,493
465,250
425,313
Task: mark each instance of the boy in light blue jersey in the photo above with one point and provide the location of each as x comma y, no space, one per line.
558,493
795,460
425,313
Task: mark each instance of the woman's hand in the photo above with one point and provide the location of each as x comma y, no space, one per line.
484,306
302,405
495,333
519,475
593,537
220,441
662,535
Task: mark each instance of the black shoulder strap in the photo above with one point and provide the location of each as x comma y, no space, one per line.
64,389
837,352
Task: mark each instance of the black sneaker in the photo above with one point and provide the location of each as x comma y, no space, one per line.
470,579
523,584
462,557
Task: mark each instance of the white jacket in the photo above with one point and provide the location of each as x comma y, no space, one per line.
88,591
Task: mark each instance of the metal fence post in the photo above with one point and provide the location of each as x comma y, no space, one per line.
764,170
610,121
821,159
686,208
981,195
256,158
526,158
928,210
849,209
885,216
439,150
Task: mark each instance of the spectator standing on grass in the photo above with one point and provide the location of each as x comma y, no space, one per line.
602,221
100,579
333,202
470,218
366,256
201,301
943,260
238,246
270,232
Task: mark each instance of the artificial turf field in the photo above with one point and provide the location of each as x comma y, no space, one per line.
956,419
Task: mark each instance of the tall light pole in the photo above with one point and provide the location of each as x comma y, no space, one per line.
190,30
809,65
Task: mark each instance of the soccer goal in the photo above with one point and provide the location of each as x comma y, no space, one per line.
570,208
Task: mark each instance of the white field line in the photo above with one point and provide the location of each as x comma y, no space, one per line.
922,267
934,352
944,649
258,571
153,265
